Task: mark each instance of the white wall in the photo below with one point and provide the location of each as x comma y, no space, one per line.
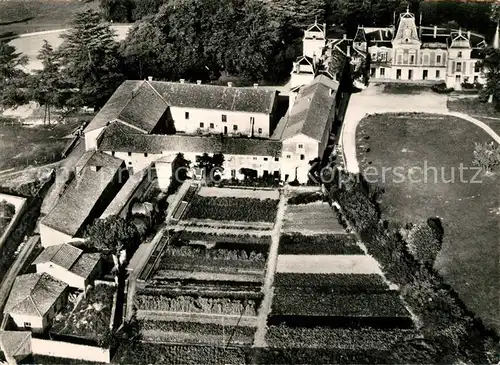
69,350
301,79
164,173
50,237
291,164
61,274
207,116
136,161
313,47
37,323
91,138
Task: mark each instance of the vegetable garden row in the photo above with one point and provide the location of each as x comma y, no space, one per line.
323,244
232,209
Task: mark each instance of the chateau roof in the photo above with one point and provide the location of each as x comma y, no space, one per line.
97,170
142,143
310,112
34,294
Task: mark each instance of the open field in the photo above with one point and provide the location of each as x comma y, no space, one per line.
23,146
468,208
317,217
327,264
90,318
21,16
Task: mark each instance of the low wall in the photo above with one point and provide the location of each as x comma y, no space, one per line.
69,350
20,204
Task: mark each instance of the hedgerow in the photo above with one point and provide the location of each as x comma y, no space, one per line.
215,254
191,304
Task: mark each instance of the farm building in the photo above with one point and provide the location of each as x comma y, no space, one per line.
98,178
34,301
69,264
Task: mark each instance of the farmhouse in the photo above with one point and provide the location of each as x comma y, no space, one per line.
34,301
97,179
69,264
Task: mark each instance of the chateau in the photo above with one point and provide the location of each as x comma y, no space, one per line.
405,51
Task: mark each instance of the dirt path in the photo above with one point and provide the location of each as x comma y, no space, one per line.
372,100
267,288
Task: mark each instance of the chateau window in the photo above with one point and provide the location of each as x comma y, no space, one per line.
383,56
302,157
186,115
400,59
459,55
212,125
382,71
235,127
288,156
438,74
458,67
476,79
265,158
300,146
145,154
255,158
130,153
276,159
412,59
224,117
477,67
426,59
233,173
260,130
438,59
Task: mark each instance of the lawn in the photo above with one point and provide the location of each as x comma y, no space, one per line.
22,146
91,317
492,123
469,211
21,16
473,107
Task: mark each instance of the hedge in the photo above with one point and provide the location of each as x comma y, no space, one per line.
200,329
305,198
331,283
187,304
322,244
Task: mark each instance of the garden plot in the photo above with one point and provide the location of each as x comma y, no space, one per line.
239,193
328,264
191,332
90,318
317,217
324,244
231,211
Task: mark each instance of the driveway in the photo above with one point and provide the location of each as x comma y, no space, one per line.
31,43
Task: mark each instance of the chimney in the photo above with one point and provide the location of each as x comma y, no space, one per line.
198,82
344,36
182,81
324,30
468,34
229,84
150,78
348,51
460,31
255,85
435,31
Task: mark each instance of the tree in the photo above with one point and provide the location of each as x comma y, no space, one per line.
90,59
7,210
12,77
113,236
117,10
423,243
491,68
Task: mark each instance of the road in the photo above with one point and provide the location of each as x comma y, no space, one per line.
13,271
31,43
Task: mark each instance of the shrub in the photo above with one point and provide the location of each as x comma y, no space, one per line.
305,198
442,89
215,254
467,85
323,244
423,243
486,155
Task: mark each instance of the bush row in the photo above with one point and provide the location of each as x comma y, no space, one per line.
323,244
215,254
295,302
200,329
226,238
331,283
187,304
232,209
305,198
451,331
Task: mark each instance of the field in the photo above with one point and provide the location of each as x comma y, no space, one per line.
315,217
40,144
20,16
232,209
90,319
325,244
468,207
492,123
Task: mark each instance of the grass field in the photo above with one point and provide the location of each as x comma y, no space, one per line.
469,211
21,16
22,146
314,217
472,106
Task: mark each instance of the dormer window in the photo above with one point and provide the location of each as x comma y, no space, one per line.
459,55
95,168
130,153
300,146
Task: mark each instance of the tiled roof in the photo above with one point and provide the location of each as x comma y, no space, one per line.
309,114
64,255
34,294
477,53
125,193
70,258
134,103
77,202
151,143
13,343
244,99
